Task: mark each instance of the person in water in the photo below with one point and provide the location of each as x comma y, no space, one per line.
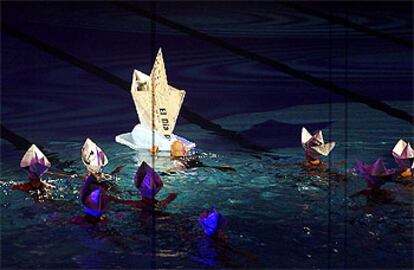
35,163
94,160
148,184
179,152
214,248
212,223
96,201
314,146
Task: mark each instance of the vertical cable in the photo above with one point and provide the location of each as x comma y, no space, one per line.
330,139
346,149
153,56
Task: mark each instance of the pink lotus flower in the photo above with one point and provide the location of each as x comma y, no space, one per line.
375,175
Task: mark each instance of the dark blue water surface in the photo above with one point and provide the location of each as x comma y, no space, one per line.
278,215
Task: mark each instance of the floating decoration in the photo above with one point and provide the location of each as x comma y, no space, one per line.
315,146
211,221
94,200
375,175
153,96
35,162
93,157
147,181
404,156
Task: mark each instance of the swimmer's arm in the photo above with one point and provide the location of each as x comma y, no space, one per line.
132,203
167,200
26,187
47,186
176,169
117,169
66,175
224,168
82,177
60,174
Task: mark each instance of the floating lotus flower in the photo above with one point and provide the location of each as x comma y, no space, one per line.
35,162
375,175
404,156
93,198
93,157
147,181
314,145
211,221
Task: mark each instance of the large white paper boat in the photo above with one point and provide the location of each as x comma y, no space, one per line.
154,97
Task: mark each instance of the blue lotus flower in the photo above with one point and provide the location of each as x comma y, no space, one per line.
93,198
211,222
147,181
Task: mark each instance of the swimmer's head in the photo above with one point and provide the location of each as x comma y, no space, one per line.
407,173
315,162
178,149
312,158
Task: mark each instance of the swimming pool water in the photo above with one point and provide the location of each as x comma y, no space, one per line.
279,215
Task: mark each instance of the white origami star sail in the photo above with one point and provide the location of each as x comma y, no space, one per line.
93,157
34,161
314,145
404,154
154,93
153,96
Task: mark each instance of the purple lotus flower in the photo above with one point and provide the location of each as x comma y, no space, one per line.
147,181
211,221
37,167
93,198
375,175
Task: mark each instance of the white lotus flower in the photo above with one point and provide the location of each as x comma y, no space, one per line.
314,145
93,157
404,154
35,161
